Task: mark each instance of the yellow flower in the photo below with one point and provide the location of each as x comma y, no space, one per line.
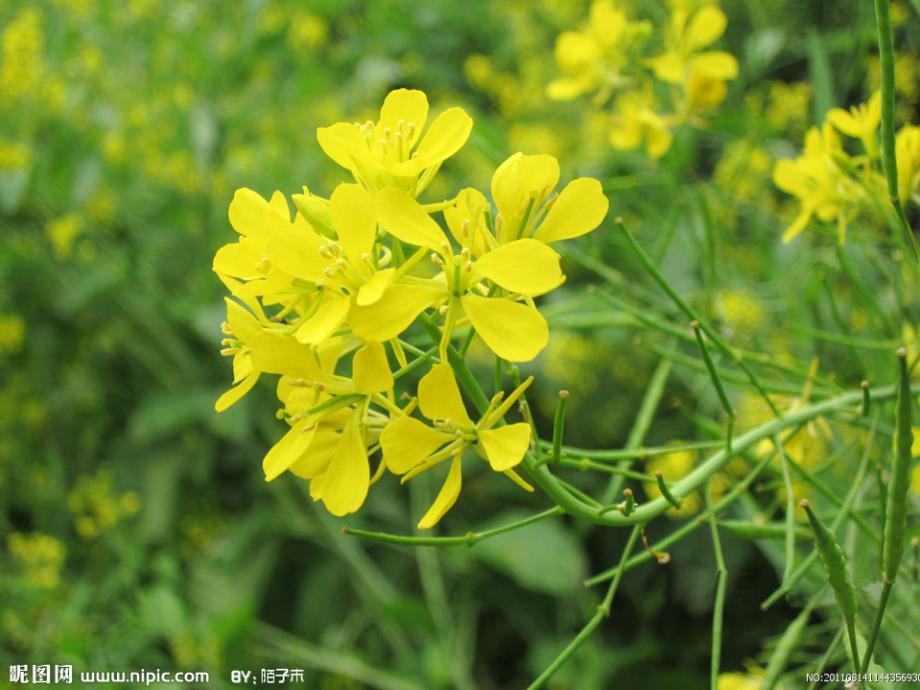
62,232
635,121
860,122
816,179
687,36
907,152
12,332
593,57
523,187
40,557
915,451
393,152
509,324
739,681
21,61
332,426
411,447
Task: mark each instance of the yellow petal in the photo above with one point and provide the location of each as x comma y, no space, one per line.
296,252
408,106
354,220
349,474
668,67
447,134
316,486
520,177
525,266
394,312
373,289
330,315
274,353
580,207
470,207
513,331
280,205
706,26
234,394
845,122
915,446
505,446
439,396
250,214
405,219
406,442
243,324
915,480
447,496
289,449
715,65
242,366
239,259
658,141
370,369
340,141
315,463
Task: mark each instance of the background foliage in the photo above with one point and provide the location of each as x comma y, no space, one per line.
137,530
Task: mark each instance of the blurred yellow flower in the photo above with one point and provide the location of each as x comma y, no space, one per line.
62,232
636,121
39,556
21,60
816,179
12,332
687,35
907,152
860,122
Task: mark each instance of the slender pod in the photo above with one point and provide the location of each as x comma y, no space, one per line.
895,532
559,425
838,575
896,508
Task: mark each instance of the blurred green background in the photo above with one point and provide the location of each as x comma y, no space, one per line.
137,530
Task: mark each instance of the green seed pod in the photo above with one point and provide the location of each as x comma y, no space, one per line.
896,510
835,565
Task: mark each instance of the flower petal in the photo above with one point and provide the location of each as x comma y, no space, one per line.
447,135
525,266
374,288
339,141
706,26
513,331
406,442
439,396
250,214
715,65
330,315
354,220
314,463
236,393
289,449
370,369
394,312
405,219
580,207
520,177
349,473
447,496
273,353
408,105
505,446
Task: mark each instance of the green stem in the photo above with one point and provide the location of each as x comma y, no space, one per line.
718,608
603,611
693,316
467,539
889,159
876,625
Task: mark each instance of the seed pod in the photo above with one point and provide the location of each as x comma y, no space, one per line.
835,565
896,511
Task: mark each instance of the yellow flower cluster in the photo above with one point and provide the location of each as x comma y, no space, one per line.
96,506
835,186
322,297
620,58
40,556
